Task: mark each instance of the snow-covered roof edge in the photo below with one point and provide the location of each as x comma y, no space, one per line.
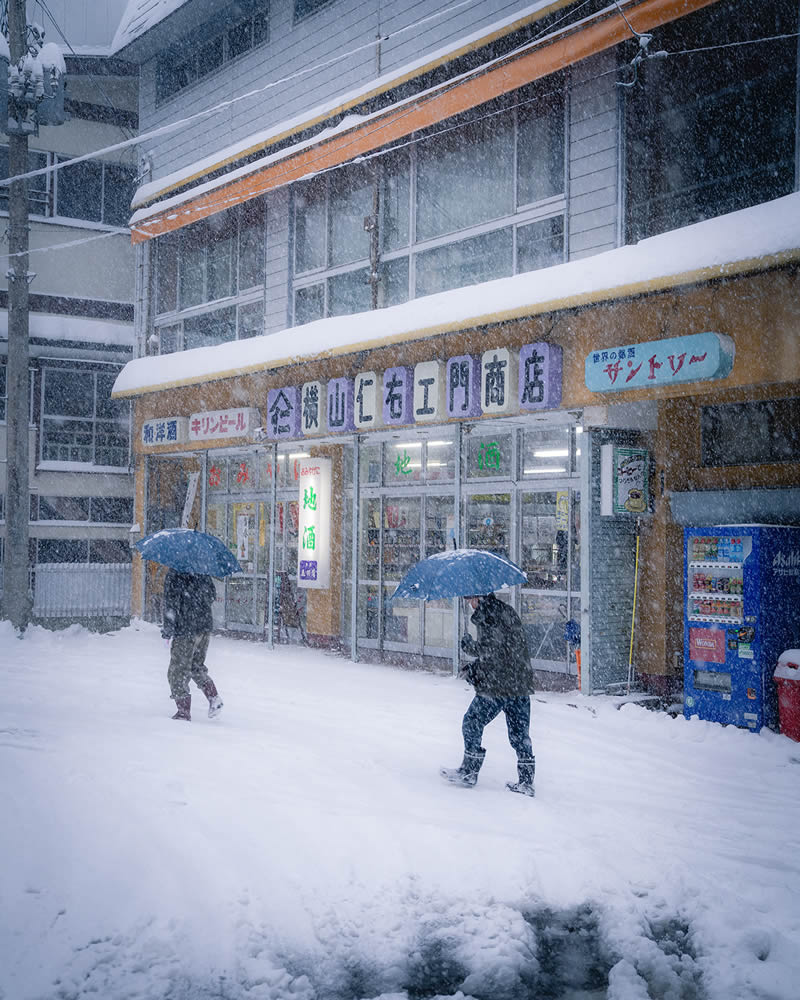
139,17
199,168
752,239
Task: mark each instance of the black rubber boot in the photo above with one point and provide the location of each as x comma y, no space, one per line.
184,708
467,774
526,769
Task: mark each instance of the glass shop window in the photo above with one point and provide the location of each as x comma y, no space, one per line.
489,455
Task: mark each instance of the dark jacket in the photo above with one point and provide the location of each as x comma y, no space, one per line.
187,604
503,667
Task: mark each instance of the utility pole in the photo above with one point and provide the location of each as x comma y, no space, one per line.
16,597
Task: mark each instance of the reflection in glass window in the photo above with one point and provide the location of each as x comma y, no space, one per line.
63,508
468,262
545,452
349,293
440,460
395,192
2,393
456,190
540,148
540,244
217,327
544,617
393,286
251,320
309,304
545,534
489,522
350,204
80,191
309,225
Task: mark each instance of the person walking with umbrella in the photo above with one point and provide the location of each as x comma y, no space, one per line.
193,558
501,673
502,676
188,623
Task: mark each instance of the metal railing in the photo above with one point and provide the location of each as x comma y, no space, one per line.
81,590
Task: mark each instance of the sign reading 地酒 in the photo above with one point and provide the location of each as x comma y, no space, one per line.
314,523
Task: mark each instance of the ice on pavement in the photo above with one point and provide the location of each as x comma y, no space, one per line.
302,846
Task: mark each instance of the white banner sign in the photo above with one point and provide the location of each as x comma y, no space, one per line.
314,523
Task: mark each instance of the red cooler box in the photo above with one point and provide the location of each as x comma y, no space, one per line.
787,678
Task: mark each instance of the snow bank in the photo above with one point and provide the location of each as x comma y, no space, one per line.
302,846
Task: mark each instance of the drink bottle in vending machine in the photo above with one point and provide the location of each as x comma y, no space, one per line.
741,610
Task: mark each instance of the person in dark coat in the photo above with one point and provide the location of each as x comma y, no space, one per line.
188,622
502,676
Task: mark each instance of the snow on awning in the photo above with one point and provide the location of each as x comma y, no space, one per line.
750,240
360,136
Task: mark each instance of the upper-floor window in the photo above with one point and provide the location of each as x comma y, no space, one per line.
93,191
81,423
712,132
302,8
200,269
3,392
96,510
235,30
475,199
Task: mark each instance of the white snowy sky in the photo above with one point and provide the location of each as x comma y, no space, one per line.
303,847
714,247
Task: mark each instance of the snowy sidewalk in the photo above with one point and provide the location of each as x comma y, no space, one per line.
303,846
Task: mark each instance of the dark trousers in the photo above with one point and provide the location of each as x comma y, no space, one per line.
187,662
518,721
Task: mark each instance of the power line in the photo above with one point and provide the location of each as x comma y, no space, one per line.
224,105
224,202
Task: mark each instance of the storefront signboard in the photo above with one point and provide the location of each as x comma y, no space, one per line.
365,398
496,381
340,404
398,396
428,392
283,413
463,385
314,523
223,424
693,358
540,376
165,430
312,401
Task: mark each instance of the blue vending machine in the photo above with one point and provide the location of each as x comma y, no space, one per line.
741,610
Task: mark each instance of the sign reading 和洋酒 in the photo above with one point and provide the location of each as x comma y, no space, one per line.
693,358
314,523
164,430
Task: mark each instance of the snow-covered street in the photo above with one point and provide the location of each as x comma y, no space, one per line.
302,844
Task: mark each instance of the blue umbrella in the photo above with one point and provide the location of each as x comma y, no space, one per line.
189,551
459,573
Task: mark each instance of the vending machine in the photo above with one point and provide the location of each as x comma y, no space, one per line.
741,610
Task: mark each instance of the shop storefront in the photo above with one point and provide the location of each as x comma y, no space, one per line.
494,437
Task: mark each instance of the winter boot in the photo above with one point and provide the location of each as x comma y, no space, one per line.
526,768
184,705
467,774
214,700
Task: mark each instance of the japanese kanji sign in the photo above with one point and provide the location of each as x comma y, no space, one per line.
164,430
283,413
366,401
223,424
693,358
497,382
340,404
463,386
312,401
314,523
539,376
428,391
398,396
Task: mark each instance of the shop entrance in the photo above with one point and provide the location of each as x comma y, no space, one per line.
399,530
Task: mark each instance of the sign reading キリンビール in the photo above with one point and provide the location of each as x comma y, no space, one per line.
693,358
314,523
223,423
